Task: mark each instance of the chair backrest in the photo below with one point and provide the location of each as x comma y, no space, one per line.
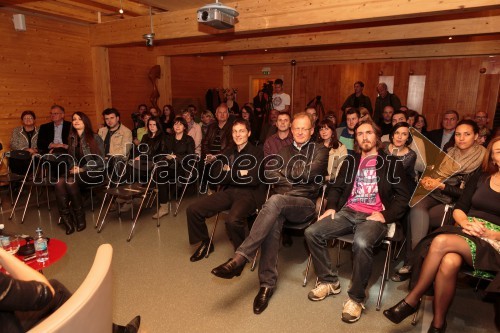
89,309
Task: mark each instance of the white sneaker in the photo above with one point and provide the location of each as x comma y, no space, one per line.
323,290
352,311
164,210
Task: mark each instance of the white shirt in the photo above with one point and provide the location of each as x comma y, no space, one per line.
280,101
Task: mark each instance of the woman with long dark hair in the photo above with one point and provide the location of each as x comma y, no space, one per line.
85,167
337,151
475,242
167,118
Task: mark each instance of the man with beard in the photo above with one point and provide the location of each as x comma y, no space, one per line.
369,192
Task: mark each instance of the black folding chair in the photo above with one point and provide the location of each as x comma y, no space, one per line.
132,191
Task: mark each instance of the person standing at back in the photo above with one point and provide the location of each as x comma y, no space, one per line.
281,100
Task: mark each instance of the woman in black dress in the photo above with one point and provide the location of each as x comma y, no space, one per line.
475,241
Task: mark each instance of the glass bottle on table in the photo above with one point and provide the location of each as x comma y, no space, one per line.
41,249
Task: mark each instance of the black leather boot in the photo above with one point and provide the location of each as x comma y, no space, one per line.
65,214
77,207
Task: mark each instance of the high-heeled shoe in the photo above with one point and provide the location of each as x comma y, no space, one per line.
433,329
400,311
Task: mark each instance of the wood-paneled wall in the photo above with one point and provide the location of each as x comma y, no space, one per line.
192,76
240,78
49,63
130,86
453,83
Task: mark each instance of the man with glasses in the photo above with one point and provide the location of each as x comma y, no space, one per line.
297,182
53,136
481,119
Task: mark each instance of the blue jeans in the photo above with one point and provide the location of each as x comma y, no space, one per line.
266,232
367,235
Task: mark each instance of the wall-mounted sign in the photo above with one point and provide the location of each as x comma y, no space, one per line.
266,70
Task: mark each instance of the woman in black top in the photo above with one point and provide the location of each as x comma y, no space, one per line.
167,118
85,167
400,140
153,142
476,241
179,151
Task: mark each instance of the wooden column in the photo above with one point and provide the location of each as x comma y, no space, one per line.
165,81
102,83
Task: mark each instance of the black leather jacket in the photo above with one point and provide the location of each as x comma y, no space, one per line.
301,172
226,138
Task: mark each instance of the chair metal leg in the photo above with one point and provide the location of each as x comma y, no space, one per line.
385,275
37,198
212,235
48,199
100,210
17,200
11,194
180,200
400,249
309,260
254,261
105,214
26,206
136,217
158,209
92,199
415,316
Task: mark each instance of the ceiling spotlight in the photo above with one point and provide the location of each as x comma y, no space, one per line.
120,11
450,37
121,7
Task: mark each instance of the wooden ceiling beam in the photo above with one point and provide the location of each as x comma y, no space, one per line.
130,7
479,48
462,27
266,15
57,8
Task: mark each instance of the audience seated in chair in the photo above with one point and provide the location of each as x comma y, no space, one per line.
85,167
180,149
117,137
240,193
369,192
24,137
475,241
53,136
193,130
282,138
297,187
445,185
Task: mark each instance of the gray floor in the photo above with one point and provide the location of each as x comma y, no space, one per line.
153,277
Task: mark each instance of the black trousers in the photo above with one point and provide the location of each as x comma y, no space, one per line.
240,203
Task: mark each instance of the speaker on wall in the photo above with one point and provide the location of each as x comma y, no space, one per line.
19,22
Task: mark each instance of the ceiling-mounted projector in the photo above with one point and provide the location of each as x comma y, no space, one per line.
217,15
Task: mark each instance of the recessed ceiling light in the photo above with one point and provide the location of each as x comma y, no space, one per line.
450,37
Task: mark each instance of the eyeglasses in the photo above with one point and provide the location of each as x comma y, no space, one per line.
55,113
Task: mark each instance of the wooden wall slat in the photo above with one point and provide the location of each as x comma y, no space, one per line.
450,83
48,63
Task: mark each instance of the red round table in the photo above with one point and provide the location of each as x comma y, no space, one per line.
57,250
